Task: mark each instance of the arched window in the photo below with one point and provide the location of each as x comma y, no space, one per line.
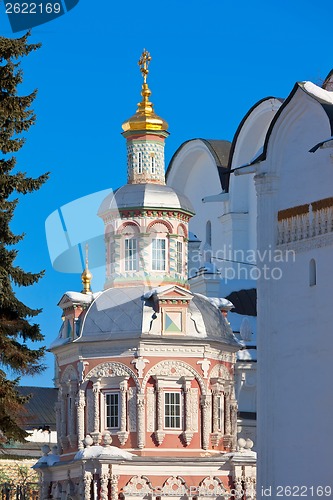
312,272
140,162
179,257
153,164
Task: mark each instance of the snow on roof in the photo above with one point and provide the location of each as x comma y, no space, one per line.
318,92
111,452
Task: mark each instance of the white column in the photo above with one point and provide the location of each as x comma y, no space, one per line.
206,420
114,487
80,404
87,479
104,478
123,434
141,420
96,390
188,433
159,433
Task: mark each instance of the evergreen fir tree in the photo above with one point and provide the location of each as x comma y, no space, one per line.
16,329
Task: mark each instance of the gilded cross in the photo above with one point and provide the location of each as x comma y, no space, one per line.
144,62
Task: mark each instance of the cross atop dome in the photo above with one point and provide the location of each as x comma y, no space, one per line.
144,62
145,133
145,117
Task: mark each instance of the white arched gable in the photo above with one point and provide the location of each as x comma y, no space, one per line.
287,151
194,172
249,140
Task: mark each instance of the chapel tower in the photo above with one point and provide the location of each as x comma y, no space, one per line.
145,367
146,222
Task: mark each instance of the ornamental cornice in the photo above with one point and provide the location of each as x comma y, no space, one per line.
307,244
146,214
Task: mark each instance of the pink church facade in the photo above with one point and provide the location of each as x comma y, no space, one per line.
145,368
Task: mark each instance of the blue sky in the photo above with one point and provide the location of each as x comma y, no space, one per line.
211,62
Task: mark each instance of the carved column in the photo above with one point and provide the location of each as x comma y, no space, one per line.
227,440
96,434
58,424
227,421
104,478
80,404
217,417
87,479
233,423
63,418
250,488
123,434
72,387
216,410
188,432
160,434
114,487
206,421
141,421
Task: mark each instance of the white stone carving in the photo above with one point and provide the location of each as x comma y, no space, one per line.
151,413
159,433
250,488
123,433
104,478
114,487
140,365
81,366
205,364
209,485
90,410
96,391
112,369
138,486
87,479
174,486
141,420
220,371
132,413
80,404
206,420
194,409
174,368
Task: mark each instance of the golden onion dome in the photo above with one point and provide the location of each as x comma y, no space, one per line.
145,117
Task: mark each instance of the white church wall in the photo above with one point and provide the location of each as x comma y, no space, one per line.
294,319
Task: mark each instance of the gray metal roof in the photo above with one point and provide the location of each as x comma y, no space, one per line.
39,411
127,313
145,196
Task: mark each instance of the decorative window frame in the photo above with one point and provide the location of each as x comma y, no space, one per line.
179,257
166,253
104,396
181,410
133,259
